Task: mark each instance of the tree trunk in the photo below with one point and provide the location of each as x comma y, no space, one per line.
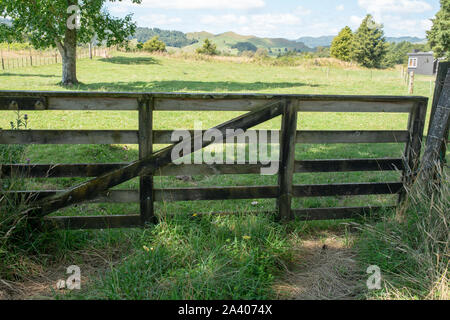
69,58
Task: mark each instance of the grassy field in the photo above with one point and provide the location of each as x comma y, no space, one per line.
187,256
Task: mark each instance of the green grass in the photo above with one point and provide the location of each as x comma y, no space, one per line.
201,257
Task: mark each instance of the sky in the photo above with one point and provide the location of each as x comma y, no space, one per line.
289,19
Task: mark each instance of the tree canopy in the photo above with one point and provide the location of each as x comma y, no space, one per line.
169,37
369,44
439,35
63,24
154,44
245,46
208,48
341,47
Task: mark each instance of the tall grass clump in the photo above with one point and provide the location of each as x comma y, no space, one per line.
24,245
12,222
413,251
199,257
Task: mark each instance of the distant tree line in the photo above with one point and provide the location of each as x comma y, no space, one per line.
170,38
244,46
368,47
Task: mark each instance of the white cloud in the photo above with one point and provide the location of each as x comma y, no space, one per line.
227,19
355,21
281,24
269,18
200,4
403,6
159,20
340,7
302,11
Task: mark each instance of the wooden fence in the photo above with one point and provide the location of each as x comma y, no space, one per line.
288,106
22,59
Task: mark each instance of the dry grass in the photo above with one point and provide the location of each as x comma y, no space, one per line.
326,270
413,250
42,284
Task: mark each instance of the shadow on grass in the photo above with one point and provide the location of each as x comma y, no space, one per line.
130,60
189,86
9,74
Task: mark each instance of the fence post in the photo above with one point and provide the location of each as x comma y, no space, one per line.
411,83
3,64
416,125
437,134
443,68
287,159
146,195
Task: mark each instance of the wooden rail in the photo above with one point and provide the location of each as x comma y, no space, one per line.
159,164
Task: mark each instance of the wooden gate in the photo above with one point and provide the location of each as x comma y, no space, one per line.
260,108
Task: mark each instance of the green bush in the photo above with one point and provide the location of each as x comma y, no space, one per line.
154,44
208,48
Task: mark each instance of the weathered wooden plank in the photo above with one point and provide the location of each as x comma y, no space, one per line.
111,196
348,165
145,150
435,146
208,105
69,136
226,193
441,74
287,161
355,106
88,103
352,136
216,193
57,170
165,195
94,222
164,136
206,96
349,136
337,213
416,124
347,189
97,169
147,166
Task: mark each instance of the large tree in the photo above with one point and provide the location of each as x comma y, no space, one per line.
63,24
369,44
341,47
439,35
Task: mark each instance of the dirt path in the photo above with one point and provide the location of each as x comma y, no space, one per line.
326,269
43,286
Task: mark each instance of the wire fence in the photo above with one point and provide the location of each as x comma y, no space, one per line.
11,59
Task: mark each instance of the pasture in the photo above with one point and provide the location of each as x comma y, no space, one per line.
187,255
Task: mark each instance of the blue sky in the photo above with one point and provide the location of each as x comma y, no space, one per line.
280,18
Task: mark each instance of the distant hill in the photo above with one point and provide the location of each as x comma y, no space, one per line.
230,42
170,38
314,42
409,39
325,41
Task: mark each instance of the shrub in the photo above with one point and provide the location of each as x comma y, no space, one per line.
154,44
208,48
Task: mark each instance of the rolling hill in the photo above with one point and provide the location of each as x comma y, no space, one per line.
225,42
325,41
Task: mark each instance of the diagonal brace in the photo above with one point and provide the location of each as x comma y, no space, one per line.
147,166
